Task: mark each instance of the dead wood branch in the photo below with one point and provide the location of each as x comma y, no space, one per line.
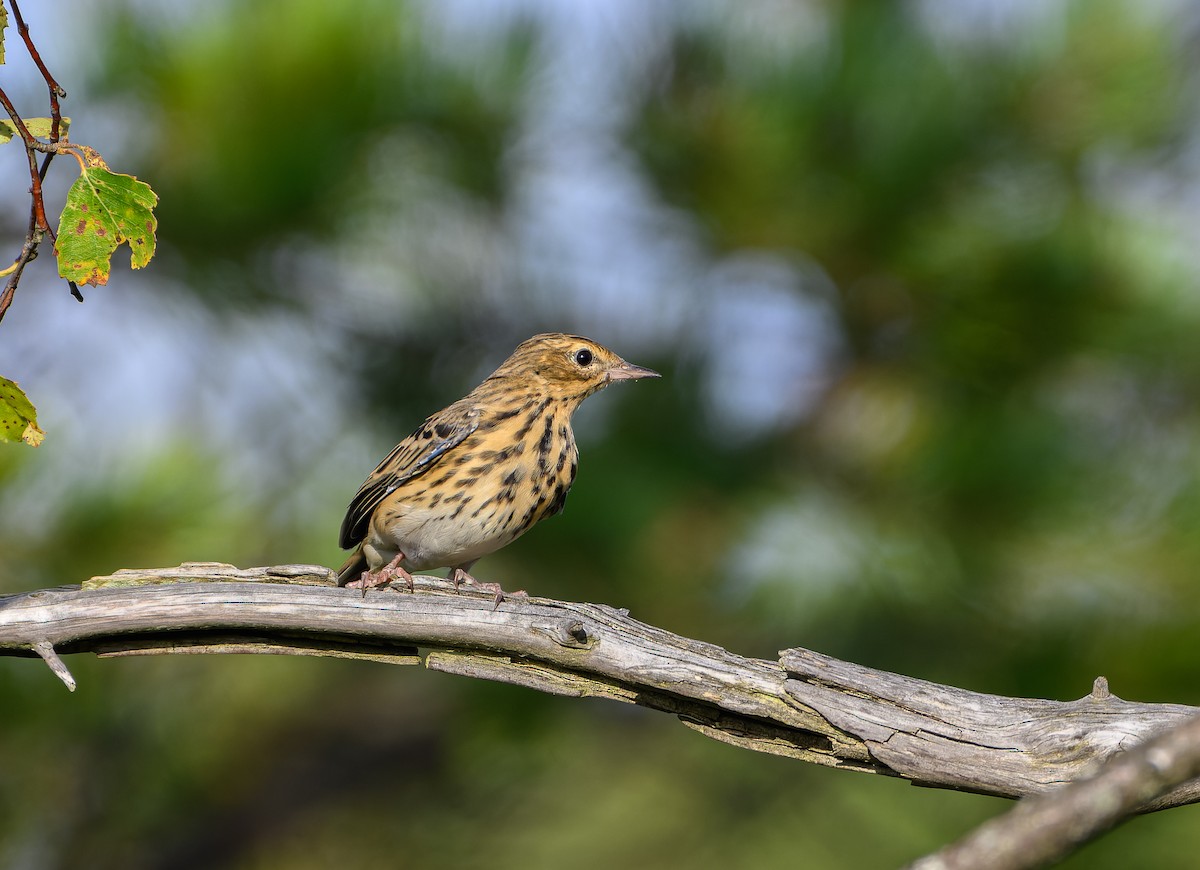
805,705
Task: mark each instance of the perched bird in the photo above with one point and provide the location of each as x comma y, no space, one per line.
480,473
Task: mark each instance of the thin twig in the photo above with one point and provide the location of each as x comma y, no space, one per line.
56,90
29,252
32,145
52,85
39,226
46,650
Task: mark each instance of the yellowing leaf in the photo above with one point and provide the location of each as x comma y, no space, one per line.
18,418
3,27
39,127
104,210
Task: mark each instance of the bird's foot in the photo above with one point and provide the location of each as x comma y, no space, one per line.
459,576
383,577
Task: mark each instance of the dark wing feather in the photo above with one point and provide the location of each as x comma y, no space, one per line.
409,459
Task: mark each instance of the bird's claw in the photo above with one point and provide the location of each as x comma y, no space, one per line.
460,576
383,577
501,595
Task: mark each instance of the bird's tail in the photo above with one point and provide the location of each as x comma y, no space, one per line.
352,570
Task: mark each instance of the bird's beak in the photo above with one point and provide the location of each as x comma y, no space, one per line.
629,372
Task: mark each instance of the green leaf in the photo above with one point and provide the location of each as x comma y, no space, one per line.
18,417
3,27
104,209
39,127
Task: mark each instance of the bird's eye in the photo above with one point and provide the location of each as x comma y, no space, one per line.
583,357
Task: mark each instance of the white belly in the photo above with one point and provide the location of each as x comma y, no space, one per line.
430,539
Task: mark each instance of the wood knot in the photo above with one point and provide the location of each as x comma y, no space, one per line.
577,630
1100,690
572,633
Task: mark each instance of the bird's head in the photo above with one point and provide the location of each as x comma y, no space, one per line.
568,367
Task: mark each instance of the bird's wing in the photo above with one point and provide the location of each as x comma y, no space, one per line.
411,458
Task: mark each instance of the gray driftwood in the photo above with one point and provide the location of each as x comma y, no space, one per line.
805,705
1044,828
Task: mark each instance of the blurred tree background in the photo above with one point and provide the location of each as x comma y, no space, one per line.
921,278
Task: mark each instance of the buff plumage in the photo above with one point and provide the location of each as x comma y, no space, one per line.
480,473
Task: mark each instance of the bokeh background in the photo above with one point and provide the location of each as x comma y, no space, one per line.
921,277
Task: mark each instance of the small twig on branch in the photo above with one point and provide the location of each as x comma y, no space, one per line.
57,665
1046,828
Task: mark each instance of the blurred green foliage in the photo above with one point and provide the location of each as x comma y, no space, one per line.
996,485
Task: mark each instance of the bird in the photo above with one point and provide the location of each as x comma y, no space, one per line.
481,472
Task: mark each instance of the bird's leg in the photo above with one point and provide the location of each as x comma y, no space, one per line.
460,575
384,576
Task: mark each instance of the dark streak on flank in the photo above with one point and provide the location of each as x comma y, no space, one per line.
545,443
560,499
530,516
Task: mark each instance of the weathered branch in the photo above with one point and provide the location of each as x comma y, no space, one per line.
806,705
1045,828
